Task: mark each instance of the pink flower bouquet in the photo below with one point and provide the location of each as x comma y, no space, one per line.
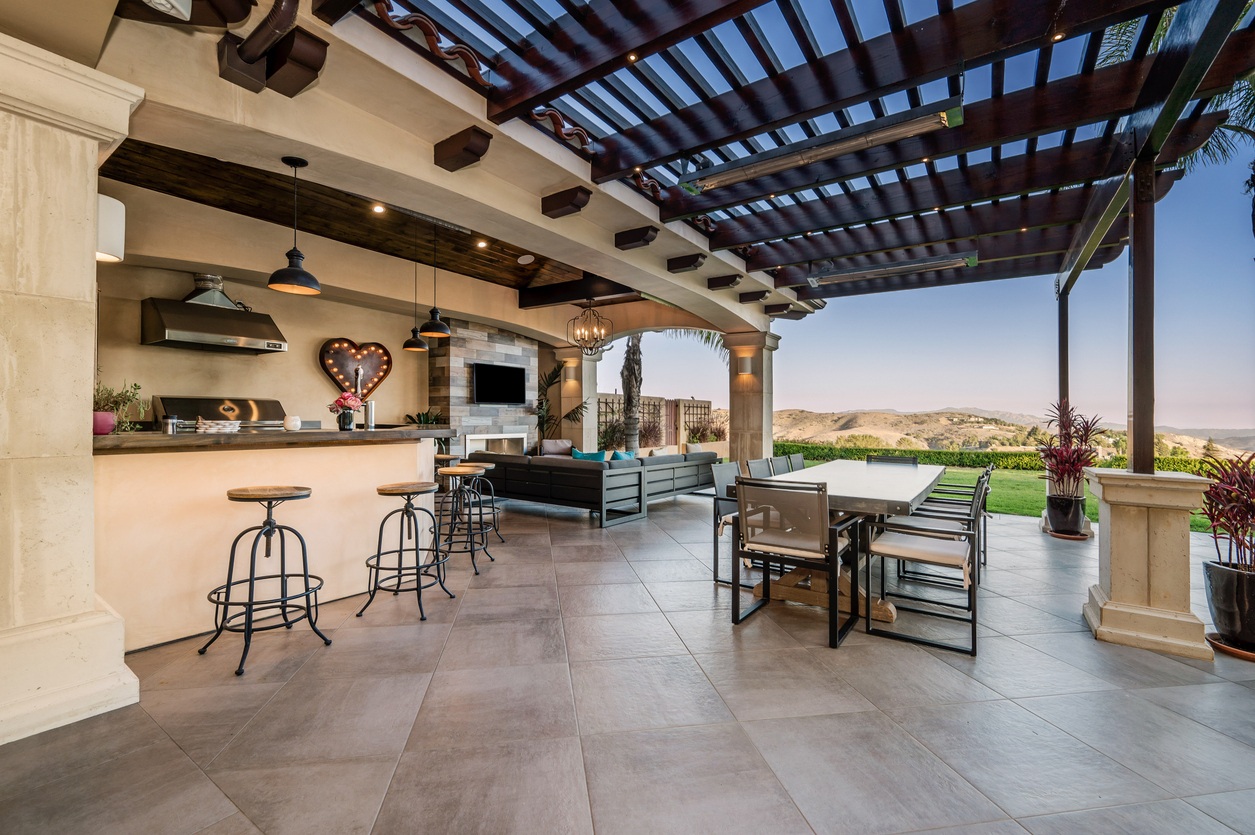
347,402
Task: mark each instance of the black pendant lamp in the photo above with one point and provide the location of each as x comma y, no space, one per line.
416,341
433,328
294,278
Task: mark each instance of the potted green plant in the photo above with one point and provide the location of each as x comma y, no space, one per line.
1229,504
111,408
1065,455
431,417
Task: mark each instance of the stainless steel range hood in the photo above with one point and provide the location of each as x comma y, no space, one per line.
206,320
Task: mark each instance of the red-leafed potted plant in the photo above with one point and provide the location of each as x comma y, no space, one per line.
1230,579
1065,455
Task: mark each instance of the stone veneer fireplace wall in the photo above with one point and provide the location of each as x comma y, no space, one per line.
449,364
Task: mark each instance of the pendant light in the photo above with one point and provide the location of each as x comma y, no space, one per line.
589,330
433,328
294,278
415,342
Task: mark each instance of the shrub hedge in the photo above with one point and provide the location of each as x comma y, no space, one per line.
966,458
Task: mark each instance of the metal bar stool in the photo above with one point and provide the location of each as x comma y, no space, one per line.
445,459
488,495
390,570
290,605
461,513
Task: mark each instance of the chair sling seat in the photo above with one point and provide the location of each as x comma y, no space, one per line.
925,549
769,544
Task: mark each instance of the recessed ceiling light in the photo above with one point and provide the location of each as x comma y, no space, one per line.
925,159
1023,228
1058,36
526,259
481,244
632,56
378,208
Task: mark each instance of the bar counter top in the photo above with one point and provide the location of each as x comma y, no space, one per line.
149,442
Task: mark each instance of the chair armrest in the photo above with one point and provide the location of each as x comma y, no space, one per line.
932,533
926,513
849,522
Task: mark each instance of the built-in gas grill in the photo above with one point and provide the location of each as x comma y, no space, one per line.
252,413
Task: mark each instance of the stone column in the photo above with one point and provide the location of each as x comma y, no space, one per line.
1142,598
749,394
581,386
60,645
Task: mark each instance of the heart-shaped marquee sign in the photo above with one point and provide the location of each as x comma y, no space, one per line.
340,358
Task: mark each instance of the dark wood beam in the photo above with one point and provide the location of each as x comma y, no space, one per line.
599,41
1195,37
686,263
565,202
1070,102
724,282
1141,400
1063,348
997,271
635,238
1021,174
753,296
589,287
1038,211
466,147
332,12
933,48
1010,246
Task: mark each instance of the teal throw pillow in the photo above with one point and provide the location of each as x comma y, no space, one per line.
620,455
600,455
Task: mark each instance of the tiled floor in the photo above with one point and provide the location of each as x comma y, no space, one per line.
590,680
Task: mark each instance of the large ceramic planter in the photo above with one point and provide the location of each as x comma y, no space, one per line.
1066,514
1231,599
103,423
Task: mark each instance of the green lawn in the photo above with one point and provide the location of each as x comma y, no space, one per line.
1023,493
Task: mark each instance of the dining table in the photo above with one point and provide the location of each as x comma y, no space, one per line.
862,488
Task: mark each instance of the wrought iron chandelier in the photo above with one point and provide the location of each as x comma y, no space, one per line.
589,330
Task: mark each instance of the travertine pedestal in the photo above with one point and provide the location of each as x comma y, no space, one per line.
749,395
1142,598
60,646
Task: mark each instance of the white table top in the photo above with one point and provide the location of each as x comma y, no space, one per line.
871,487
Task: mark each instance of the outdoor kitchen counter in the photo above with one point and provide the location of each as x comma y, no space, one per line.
164,526
142,442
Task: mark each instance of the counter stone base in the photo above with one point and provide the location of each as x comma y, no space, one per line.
88,677
1175,633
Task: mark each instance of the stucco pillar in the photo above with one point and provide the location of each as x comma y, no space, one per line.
749,394
578,383
60,646
1142,598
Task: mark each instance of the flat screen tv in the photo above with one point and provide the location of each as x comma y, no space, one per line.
499,384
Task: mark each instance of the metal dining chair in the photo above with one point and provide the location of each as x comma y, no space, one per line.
780,465
796,462
950,497
951,516
758,468
725,476
786,523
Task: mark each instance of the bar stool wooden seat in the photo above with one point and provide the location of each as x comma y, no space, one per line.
410,566
461,512
240,601
445,459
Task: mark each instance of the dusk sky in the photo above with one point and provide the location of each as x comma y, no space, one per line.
992,345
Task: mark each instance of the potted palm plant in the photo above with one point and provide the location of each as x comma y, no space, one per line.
1229,504
111,408
1065,455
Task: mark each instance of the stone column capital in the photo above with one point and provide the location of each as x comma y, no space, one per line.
766,340
1169,490
45,87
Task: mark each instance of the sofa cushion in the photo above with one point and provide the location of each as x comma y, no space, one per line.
555,446
708,455
692,448
623,463
599,455
555,462
662,460
664,450
621,455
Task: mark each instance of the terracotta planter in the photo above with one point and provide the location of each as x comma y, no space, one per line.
103,423
1066,514
1231,599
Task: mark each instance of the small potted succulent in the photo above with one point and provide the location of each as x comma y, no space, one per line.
343,408
1065,455
111,408
1229,504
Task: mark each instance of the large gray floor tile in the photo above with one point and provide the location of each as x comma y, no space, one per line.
274,657
602,637
638,693
767,684
891,674
860,772
475,707
650,550
402,609
1021,762
1121,665
1227,708
237,824
1176,753
1017,670
341,796
152,789
590,552
497,575
203,720
504,643
379,651
708,778
671,571
1011,617
1235,810
713,631
595,573
1167,817
610,599
526,787
693,595
480,605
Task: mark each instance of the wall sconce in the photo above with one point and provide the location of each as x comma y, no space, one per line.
110,229
744,365
570,373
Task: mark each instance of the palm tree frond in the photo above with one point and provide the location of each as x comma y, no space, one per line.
711,339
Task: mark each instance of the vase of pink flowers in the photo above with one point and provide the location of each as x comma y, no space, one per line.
343,408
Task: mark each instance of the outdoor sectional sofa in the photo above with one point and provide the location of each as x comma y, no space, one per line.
619,491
